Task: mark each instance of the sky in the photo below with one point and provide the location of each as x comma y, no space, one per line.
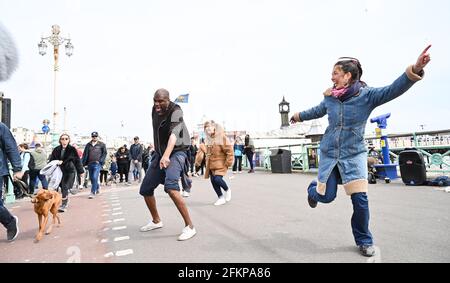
236,59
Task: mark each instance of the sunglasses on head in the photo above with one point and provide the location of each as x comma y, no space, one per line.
348,59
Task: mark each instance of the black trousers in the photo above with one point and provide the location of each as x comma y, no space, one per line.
237,166
67,183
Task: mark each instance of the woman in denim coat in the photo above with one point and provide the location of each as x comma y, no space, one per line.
343,158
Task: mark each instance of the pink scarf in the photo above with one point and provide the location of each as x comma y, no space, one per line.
339,92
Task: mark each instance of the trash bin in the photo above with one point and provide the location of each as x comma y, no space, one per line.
280,161
412,167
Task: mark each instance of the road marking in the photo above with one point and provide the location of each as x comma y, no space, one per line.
106,229
117,239
119,228
117,213
115,200
124,252
109,255
106,222
115,204
104,241
119,219
117,208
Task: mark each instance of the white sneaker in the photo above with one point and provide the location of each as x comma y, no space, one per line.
151,226
228,195
220,201
185,194
187,233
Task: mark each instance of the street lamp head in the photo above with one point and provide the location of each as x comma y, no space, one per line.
56,29
69,48
42,47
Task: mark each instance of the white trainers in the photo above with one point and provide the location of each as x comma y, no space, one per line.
228,195
151,226
220,201
187,233
185,194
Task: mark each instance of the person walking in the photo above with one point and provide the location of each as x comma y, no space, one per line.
123,161
249,151
94,155
25,156
200,158
238,151
219,157
343,158
70,165
192,153
40,160
136,152
171,140
9,152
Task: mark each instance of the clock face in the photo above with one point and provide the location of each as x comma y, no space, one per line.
285,108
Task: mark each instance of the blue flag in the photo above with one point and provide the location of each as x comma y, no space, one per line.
184,98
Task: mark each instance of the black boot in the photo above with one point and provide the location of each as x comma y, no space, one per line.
64,204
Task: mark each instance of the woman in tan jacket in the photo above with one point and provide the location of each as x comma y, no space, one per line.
219,156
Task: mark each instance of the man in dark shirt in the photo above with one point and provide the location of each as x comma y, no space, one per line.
169,163
94,157
136,152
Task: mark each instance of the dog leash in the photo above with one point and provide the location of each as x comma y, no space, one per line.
24,191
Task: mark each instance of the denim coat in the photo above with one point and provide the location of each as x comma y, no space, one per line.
8,151
343,142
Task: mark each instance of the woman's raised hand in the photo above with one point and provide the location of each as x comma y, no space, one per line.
422,61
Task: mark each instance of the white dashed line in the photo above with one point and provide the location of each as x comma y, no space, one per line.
104,241
124,252
109,255
119,220
117,213
108,221
117,208
117,239
119,228
115,204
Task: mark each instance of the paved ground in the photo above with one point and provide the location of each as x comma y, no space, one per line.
268,220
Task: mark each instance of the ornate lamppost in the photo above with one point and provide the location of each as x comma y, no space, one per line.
56,40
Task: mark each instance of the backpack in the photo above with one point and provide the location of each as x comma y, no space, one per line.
31,163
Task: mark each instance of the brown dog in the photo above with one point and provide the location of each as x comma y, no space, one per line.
45,202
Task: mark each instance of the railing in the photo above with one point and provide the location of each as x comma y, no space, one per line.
435,146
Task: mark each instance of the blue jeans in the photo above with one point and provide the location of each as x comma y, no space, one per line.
361,215
218,182
94,172
5,215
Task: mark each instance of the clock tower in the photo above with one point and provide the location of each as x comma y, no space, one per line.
284,111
